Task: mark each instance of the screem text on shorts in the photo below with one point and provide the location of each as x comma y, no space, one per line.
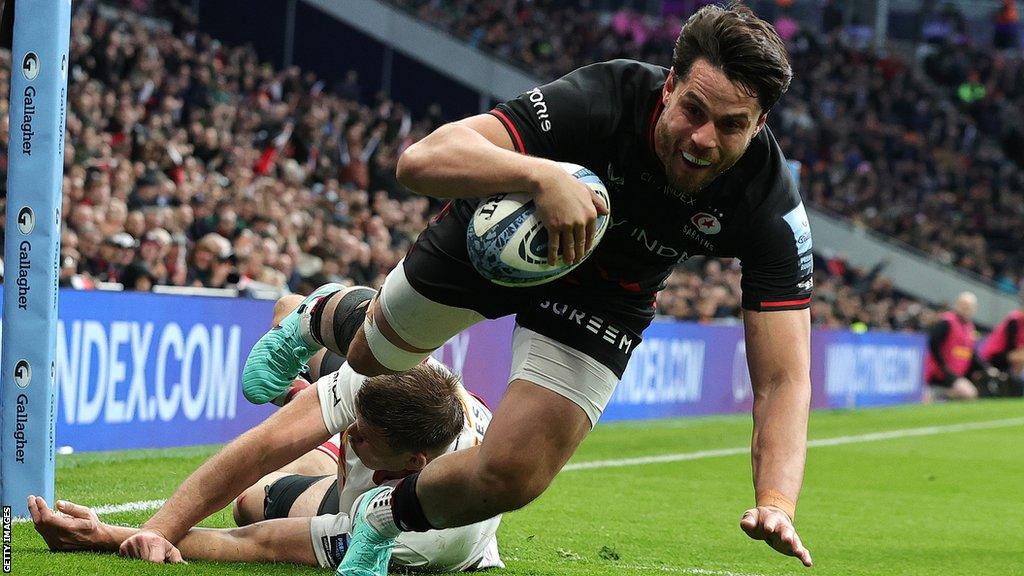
591,323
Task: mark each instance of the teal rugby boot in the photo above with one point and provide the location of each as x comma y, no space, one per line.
369,552
281,354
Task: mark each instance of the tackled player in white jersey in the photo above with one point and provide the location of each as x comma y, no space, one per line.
377,430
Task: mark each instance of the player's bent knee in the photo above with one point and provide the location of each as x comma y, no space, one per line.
388,349
361,358
238,512
284,306
248,507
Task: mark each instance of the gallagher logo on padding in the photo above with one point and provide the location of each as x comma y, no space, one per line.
30,66
26,220
22,373
706,223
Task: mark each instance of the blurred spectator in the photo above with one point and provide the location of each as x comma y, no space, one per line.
971,90
1006,22
951,356
137,277
786,26
831,17
845,297
213,263
1004,347
153,253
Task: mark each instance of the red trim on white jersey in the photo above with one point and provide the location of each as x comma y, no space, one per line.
331,449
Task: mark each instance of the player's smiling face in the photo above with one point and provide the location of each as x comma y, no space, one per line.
706,126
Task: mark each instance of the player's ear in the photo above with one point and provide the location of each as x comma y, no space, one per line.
417,461
761,120
670,84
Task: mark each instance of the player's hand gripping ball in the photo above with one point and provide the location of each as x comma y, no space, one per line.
508,243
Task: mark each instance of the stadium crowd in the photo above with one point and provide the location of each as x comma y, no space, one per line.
190,163
880,144
708,291
551,37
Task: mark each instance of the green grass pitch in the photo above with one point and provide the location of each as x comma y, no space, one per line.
944,504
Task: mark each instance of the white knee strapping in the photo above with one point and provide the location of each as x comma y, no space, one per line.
418,320
390,356
330,534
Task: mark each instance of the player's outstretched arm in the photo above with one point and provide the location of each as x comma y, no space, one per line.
289,433
73,527
778,354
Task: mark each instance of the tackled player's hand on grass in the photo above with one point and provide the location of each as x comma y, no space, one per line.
151,546
775,527
569,209
69,528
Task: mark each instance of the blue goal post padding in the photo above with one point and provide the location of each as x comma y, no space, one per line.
38,101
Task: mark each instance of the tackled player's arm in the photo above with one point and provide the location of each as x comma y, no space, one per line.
293,430
73,527
778,354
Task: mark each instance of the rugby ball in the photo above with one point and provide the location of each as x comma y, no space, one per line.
508,244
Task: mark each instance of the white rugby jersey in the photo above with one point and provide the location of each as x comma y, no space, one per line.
472,547
337,392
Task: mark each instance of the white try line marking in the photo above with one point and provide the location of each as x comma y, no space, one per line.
129,507
683,457
838,441
693,571
113,508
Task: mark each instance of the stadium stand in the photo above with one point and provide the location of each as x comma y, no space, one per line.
708,291
881,144
190,163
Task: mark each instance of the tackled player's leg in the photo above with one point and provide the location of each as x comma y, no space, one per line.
302,488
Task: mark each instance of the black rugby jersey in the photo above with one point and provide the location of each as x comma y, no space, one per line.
602,116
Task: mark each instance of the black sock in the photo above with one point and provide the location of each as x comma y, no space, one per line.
348,316
315,314
406,508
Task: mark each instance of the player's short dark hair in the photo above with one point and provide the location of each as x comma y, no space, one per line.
418,410
746,48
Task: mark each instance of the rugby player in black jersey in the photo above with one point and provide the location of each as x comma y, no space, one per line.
691,169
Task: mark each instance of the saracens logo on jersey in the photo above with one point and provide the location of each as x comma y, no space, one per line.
706,223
